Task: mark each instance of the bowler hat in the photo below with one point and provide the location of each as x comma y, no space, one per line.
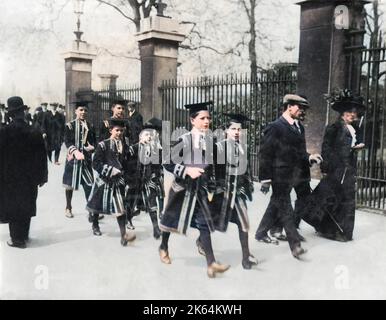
15,104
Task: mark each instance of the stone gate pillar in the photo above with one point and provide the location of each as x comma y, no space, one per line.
78,66
158,39
324,62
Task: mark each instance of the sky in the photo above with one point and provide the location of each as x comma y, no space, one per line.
35,34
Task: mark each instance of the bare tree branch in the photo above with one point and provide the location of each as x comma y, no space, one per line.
117,8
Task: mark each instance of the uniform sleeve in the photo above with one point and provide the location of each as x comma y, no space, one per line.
99,162
69,138
178,169
267,153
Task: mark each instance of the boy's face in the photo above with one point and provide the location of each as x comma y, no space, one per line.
118,111
116,132
81,113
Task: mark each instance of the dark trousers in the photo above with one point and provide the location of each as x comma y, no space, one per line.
19,230
302,190
280,211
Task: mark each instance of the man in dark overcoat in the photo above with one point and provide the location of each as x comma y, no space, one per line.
23,167
56,123
135,121
282,158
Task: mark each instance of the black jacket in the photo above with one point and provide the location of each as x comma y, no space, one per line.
23,166
336,148
283,154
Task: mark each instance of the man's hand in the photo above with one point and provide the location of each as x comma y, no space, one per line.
265,187
44,135
359,146
115,172
194,172
78,155
315,158
89,148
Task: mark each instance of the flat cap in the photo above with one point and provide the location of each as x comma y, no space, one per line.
296,99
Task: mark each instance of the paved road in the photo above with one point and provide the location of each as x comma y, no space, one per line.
65,261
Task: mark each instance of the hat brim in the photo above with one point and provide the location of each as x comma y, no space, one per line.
348,105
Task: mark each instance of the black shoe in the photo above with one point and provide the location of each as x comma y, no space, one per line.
200,247
17,244
267,240
249,262
130,225
96,231
298,251
101,216
156,232
279,236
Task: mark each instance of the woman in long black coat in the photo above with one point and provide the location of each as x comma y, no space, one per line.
23,167
335,195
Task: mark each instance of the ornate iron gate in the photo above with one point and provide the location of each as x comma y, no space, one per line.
371,177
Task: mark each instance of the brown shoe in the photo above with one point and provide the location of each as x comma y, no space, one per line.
164,256
298,251
68,213
216,268
128,237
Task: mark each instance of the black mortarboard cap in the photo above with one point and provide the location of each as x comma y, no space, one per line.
237,117
81,104
120,101
153,123
115,122
196,107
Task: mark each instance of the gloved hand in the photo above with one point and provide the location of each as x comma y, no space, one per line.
265,187
315,158
78,155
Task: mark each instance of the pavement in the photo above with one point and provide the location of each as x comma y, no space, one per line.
65,261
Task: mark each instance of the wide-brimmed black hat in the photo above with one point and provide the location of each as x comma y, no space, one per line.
196,107
15,104
54,104
153,123
346,101
44,104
